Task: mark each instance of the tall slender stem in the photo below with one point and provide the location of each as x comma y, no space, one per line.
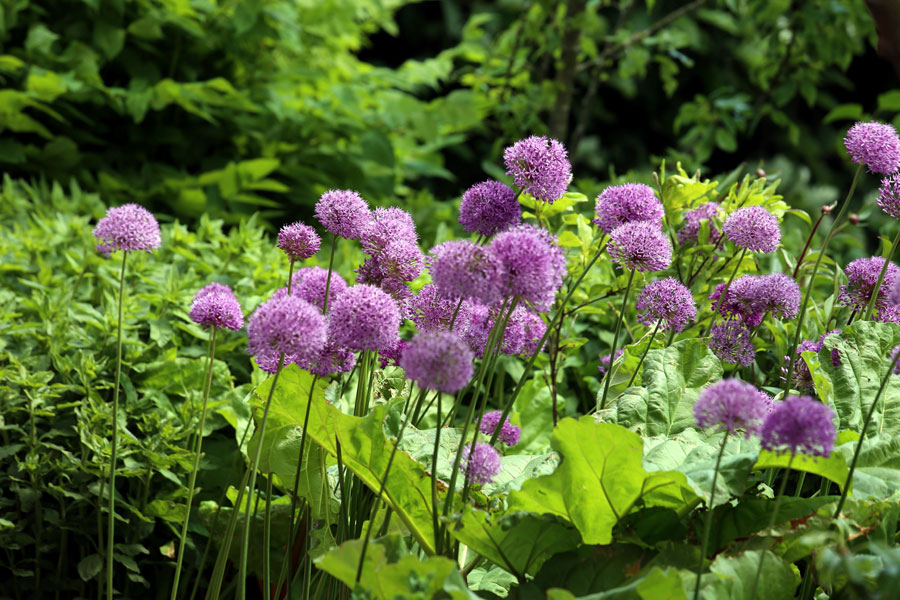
708,526
808,242
644,355
615,342
774,516
434,475
874,299
110,528
328,277
197,451
724,293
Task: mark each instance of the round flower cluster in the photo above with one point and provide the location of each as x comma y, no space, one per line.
753,228
482,464
128,227
640,245
539,166
509,433
285,325
364,317
800,425
732,405
438,360
533,266
343,213
862,274
694,218
488,208
299,241
524,329
627,203
461,269
309,284
802,378
431,311
731,342
667,301
752,296
215,305
875,145
395,259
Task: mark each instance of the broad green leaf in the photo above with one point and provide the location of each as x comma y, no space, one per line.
751,515
877,473
834,468
90,566
591,569
731,577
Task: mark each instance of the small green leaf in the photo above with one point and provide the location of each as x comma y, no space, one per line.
90,566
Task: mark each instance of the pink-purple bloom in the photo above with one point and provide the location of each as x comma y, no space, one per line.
626,203
332,359
438,360
799,425
875,145
540,167
894,358
343,213
862,274
694,218
309,284
802,378
385,226
752,296
128,227
889,195
753,228
461,269
640,245
894,292
431,311
215,306
489,207
731,341
509,433
732,405
533,265
483,464
299,241
364,317
603,367
667,301
285,325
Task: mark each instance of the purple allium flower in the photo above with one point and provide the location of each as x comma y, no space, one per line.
640,245
894,292
626,203
603,367
523,332
127,227
386,226
392,355
693,220
799,424
802,378
667,300
400,260
889,196
364,317
461,269
479,320
731,405
333,359
875,145
343,213
299,241
509,433
753,228
540,167
309,284
731,342
215,306
862,274
285,324
489,207
889,314
894,357
752,296
533,265
779,294
438,360
483,465
431,311
767,400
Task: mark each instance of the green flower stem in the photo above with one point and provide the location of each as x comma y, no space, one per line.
267,531
808,242
615,342
812,278
381,486
111,524
708,526
330,269
724,293
778,499
198,445
644,355
862,436
884,269
434,477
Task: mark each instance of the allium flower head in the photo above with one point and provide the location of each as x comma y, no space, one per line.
779,294
215,306
392,355
461,269
509,433
889,196
620,204
128,227
666,300
299,241
732,405
799,425
438,360
285,325
889,314
431,311
753,228
540,167
533,265
333,359
731,341
862,274
693,220
640,245
489,207
399,260
750,297
309,284
364,317
603,367
386,226
523,332
343,213
875,145
483,464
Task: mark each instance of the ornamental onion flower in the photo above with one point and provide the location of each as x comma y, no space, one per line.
732,405
875,145
862,274
800,425
331,360
364,317
285,325
603,367
894,293
461,269
753,228
309,283
694,218
731,342
668,301
216,306
524,330
438,360
894,357
343,213
533,265
889,314
299,241
620,204
431,311
509,433
540,167
387,225
752,296
128,227
640,245
489,207
483,464
889,195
